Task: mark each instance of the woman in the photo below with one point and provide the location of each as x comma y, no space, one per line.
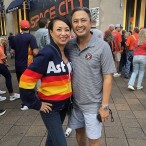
139,62
123,54
52,66
109,39
5,72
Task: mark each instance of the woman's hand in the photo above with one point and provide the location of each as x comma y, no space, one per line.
46,107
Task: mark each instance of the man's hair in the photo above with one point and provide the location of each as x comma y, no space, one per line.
85,9
64,19
136,29
124,32
42,22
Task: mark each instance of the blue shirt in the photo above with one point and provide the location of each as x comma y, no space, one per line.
23,44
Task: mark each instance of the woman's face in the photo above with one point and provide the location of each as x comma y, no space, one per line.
60,33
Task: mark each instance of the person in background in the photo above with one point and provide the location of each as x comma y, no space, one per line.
130,44
111,28
42,37
94,27
123,54
2,98
117,41
93,69
25,48
10,39
109,39
139,62
5,72
53,67
42,34
2,112
2,92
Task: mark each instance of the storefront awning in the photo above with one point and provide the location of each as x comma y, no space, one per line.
14,5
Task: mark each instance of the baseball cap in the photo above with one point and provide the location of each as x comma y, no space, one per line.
24,24
119,25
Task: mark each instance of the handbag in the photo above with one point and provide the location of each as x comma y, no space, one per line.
70,107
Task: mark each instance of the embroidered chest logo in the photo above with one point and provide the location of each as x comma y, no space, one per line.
88,56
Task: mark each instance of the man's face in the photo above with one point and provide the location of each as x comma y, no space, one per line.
119,29
81,24
111,28
60,33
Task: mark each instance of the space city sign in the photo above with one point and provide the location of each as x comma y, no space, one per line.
51,8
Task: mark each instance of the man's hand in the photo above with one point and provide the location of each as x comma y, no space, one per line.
13,51
104,114
46,107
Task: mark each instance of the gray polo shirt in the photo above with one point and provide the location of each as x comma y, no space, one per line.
89,65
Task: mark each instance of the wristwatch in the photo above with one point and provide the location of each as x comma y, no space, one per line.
105,107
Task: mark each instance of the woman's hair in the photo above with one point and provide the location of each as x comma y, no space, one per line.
64,19
85,9
127,34
142,36
108,36
42,22
3,41
124,32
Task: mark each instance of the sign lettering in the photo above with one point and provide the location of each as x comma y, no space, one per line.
50,8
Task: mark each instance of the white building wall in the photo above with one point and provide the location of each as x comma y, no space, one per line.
10,21
110,12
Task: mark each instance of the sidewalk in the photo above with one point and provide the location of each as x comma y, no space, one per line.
25,128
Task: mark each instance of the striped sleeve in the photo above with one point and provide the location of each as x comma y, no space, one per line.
29,79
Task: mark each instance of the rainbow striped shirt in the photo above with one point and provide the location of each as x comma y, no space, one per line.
55,78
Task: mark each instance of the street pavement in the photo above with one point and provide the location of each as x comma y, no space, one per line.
25,128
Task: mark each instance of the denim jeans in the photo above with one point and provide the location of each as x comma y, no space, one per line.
139,65
128,63
53,122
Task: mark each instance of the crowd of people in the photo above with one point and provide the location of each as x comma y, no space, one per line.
58,71
129,53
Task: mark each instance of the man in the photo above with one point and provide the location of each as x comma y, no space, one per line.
93,67
24,47
94,28
42,34
130,44
10,38
110,29
117,41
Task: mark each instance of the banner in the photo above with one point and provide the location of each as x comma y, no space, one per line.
50,8
95,14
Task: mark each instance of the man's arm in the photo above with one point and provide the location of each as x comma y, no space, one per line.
119,44
34,46
107,85
35,51
47,38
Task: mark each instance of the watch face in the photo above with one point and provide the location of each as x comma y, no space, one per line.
106,107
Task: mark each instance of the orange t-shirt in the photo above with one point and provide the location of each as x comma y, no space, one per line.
2,55
117,39
131,41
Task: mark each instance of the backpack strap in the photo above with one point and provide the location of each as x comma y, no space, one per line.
134,37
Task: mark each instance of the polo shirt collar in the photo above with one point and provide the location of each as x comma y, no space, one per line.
90,44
